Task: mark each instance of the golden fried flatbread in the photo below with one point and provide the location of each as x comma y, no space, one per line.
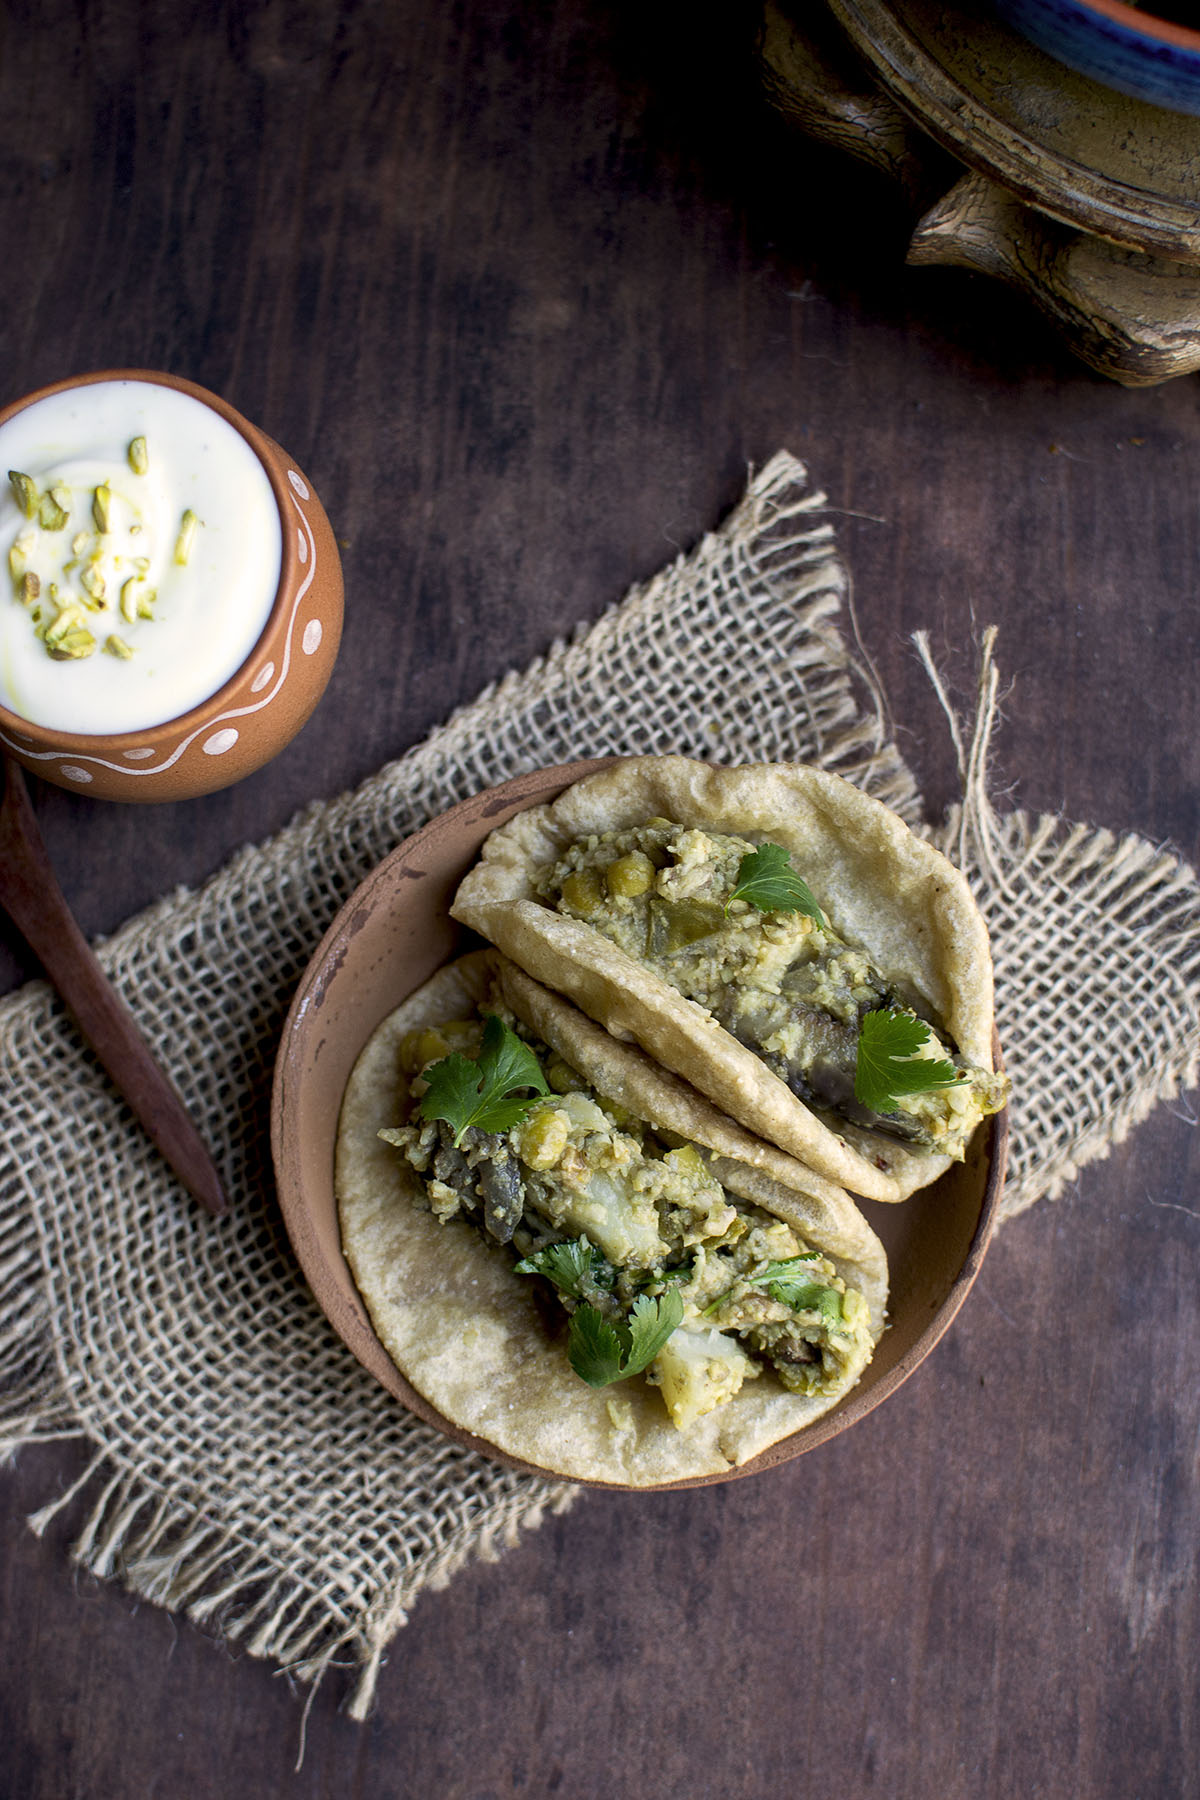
883,888
471,1336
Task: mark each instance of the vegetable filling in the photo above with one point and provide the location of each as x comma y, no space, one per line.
734,928
660,1268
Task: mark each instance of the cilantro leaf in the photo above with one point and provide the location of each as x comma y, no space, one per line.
602,1350
652,1322
568,1265
888,1066
790,1273
768,881
466,1093
814,1297
594,1349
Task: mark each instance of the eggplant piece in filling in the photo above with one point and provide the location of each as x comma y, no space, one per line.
784,984
638,1215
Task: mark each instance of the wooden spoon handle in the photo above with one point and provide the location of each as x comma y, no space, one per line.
30,893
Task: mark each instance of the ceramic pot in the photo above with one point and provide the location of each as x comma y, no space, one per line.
257,712
1123,47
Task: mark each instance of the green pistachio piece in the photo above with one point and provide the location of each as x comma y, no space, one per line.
31,587
69,639
101,504
93,583
116,646
51,516
187,536
137,600
139,460
25,489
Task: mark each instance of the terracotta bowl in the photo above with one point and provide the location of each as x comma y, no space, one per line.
390,937
259,709
1124,47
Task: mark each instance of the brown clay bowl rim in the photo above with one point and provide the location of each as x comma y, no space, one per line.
79,742
328,1274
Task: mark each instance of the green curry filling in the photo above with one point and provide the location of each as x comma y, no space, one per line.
780,981
632,1231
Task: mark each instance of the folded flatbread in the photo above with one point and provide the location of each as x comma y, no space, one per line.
487,1346
888,899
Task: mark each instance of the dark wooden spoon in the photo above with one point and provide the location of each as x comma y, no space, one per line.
30,894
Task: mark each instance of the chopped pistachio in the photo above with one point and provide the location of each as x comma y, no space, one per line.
69,639
116,646
75,643
25,489
62,495
51,516
16,560
101,502
31,587
93,582
187,535
139,460
137,600
80,542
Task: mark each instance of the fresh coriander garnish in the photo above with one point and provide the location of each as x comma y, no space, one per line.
602,1350
484,1093
781,1280
768,881
568,1265
889,1065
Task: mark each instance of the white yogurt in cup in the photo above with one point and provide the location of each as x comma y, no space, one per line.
171,593
141,542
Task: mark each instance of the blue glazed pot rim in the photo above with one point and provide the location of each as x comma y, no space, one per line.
1143,25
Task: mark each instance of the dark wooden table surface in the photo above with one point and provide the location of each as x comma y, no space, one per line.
525,288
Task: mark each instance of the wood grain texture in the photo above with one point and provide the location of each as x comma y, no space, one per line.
524,290
32,898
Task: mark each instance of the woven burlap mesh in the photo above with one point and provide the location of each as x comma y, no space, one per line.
246,1470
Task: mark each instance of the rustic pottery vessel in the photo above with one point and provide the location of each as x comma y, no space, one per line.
253,715
391,936
1127,48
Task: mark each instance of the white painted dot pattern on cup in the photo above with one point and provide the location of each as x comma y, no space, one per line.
262,678
302,546
298,483
136,755
310,643
73,772
220,742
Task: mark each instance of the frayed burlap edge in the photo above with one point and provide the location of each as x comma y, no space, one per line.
1124,888
162,1548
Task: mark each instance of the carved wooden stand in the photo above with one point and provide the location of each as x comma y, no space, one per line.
1085,200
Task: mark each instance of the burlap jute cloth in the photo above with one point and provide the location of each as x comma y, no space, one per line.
247,1472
